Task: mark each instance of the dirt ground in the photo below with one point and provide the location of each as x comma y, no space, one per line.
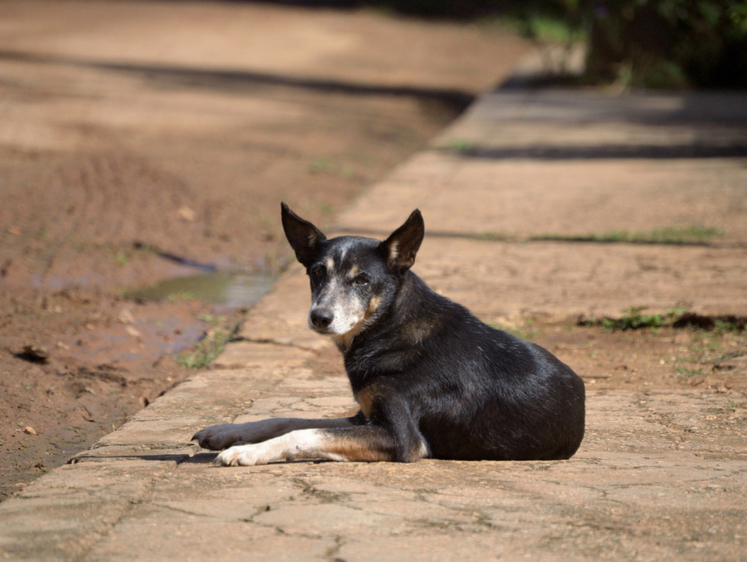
145,141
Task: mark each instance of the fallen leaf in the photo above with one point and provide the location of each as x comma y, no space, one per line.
30,430
125,317
187,214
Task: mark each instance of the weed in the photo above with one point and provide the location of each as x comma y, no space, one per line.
145,248
633,319
492,236
209,347
675,235
721,327
462,146
687,373
121,258
328,209
322,165
670,235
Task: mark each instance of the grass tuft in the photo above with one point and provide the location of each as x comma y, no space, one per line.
634,319
208,348
674,235
692,234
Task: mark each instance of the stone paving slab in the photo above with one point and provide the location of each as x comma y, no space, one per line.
577,163
653,487
594,280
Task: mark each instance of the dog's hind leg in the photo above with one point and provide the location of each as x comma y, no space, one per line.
219,437
362,443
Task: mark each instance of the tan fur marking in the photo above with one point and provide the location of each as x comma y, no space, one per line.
353,272
330,263
354,450
372,306
365,399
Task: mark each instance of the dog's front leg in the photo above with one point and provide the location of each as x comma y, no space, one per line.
363,443
219,437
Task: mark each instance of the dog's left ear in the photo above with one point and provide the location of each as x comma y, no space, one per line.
400,248
303,236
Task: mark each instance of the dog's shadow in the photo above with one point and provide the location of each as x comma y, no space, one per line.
178,458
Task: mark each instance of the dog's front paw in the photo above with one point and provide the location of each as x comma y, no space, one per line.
243,455
217,437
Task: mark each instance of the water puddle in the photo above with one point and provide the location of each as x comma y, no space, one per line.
230,289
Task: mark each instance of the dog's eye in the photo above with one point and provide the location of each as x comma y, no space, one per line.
361,280
319,271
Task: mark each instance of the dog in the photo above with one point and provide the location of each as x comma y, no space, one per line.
431,380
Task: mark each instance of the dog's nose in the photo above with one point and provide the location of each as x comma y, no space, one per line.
321,317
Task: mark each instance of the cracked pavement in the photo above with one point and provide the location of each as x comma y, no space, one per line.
661,474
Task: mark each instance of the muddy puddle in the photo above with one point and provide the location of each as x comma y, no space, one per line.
226,290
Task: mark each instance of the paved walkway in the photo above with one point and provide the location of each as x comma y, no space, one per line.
654,479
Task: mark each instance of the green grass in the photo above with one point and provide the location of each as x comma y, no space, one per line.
208,348
322,165
688,373
736,405
668,235
634,319
121,258
462,146
693,234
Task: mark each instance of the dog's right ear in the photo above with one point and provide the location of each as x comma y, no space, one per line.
303,236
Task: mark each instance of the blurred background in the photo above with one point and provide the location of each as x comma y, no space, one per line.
145,148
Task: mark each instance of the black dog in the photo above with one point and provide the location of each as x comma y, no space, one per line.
431,380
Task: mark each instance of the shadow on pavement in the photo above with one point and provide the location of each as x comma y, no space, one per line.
456,100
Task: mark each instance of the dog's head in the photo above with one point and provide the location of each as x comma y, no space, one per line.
353,279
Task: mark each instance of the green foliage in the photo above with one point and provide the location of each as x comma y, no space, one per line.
694,234
668,43
649,43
